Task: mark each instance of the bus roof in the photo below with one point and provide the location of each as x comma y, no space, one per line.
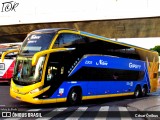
51,30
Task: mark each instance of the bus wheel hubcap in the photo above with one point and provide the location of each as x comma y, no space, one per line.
144,91
137,93
74,96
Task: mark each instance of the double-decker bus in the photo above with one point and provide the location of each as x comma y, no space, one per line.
65,65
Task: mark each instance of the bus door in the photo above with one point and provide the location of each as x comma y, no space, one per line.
53,77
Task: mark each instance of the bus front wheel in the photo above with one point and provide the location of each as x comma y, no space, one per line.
74,96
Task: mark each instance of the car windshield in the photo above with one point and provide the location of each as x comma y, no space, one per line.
36,42
25,73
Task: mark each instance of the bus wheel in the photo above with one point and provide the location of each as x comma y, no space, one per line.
144,91
74,96
137,92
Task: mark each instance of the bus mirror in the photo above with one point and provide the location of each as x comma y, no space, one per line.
44,52
7,52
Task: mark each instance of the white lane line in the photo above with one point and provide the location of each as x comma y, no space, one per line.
34,110
12,119
77,114
51,114
102,110
127,115
2,105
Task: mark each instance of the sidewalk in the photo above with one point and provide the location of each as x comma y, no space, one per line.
148,104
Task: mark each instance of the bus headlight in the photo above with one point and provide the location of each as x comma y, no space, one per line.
35,90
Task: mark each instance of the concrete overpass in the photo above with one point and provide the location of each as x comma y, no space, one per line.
116,28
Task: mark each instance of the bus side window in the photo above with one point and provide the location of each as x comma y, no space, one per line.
67,39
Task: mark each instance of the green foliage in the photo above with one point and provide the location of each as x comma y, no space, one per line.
156,48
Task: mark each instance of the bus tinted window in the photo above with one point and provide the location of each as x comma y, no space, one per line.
90,73
68,40
95,46
37,42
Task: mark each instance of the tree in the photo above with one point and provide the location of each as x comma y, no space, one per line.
156,48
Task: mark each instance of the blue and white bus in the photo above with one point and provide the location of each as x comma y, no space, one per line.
65,65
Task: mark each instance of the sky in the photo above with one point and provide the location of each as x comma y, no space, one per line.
39,11
147,43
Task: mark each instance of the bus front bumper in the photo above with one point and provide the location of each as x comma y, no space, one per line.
30,99
25,98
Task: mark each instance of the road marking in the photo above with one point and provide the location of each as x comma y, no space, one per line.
12,119
2,105
77,114
99,115
34,110
127,115
51,114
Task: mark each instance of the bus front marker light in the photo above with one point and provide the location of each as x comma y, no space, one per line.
35,90
36,98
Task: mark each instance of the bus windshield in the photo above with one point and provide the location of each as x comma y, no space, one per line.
25,73
36,42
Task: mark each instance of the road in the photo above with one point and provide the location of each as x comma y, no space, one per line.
120,108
